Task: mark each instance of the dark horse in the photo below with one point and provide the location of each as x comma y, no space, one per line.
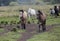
23,18
56,11
59,9
41,20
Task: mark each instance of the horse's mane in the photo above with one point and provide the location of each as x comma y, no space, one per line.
21,10
40,12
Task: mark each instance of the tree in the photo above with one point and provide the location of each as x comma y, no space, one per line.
5,2
52,1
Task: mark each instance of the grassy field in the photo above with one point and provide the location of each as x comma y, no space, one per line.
15,19
14,10
11,36
52,35
10,14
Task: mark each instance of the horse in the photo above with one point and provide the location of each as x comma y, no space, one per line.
59,9
56,11
42,20
31,13
52,11
23,18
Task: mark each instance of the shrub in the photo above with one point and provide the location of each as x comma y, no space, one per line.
2,22
13,4
14,30
12,22
6,23
29,22
19,22
18,27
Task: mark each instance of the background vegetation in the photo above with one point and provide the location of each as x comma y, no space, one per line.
9,13
28,2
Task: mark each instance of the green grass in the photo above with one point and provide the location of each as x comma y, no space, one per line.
11,36
9,19
52,35
11,13
1,29
51,20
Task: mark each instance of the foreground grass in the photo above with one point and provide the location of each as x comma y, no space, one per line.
11,36
52,35
51,20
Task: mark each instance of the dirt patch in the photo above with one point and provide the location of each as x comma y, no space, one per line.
31,29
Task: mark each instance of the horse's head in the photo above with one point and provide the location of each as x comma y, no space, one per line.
30,8
39,12
21,11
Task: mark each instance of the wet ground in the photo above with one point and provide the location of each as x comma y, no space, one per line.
31,30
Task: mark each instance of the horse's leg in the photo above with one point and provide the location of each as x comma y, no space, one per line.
44,26
39,27
29,17
24,24
21,23
33,18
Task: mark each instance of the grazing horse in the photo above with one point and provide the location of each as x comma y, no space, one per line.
31,12
23,17
52,12
56,11
42,20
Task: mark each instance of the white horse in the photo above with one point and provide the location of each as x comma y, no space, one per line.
52,11
31,12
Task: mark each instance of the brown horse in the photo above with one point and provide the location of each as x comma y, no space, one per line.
23,18
41,20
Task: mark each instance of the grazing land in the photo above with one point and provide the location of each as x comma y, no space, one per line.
10,15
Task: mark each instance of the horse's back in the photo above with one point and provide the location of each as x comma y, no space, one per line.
25,14
43,17
31,11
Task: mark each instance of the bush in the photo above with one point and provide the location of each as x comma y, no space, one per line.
2,22
13,4
12,22
18,27
5,22
29,22
19,22
14,30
